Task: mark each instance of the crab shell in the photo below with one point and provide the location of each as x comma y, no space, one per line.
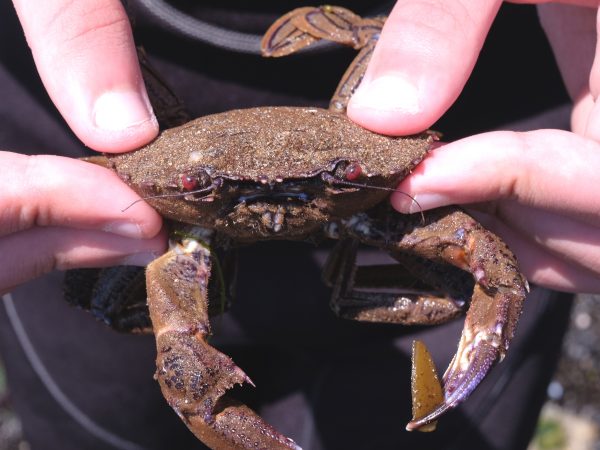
243,166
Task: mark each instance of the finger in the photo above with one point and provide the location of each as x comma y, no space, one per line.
574,242
426,52
586,3
85,55
540,265
592,128
31,253
582,110
64,192
571,31
547,169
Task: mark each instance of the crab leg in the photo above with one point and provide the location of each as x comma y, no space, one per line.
194,376
168,108
453,237
303,27
380,295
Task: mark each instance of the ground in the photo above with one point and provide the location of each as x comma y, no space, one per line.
571,418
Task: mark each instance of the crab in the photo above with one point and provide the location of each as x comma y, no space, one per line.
304,173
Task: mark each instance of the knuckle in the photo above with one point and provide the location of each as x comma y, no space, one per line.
44,264
438,19
80,25
31,209
19,208
517,168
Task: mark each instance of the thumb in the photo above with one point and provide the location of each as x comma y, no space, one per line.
426,52
86,57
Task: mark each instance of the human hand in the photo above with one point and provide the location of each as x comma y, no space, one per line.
86,58
60,213
536,189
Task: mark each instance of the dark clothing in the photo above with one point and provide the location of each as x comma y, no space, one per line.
326,383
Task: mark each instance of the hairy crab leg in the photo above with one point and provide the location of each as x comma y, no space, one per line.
116,296
453,237
303,27
194,376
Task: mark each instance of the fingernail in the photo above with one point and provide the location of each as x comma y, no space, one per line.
388,93
139,259
126,229
420,202
119,110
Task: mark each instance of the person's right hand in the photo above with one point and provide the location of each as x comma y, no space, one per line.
59,213
538,189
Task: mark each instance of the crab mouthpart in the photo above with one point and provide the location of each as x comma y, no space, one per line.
275,197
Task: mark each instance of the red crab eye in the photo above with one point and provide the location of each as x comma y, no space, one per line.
189,182
353,171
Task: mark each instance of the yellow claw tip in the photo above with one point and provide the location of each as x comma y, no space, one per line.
427,392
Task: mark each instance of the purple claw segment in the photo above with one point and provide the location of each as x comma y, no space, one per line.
285,37
460,382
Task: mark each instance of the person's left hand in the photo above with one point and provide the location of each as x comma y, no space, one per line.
86,58
61,213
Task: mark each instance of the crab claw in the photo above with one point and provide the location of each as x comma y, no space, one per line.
193,376
450,236
482,344
496,305
425,385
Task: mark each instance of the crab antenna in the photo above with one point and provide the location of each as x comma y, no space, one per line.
333,180
175,194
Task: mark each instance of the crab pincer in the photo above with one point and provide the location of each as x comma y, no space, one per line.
450,236
496,304
194,376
